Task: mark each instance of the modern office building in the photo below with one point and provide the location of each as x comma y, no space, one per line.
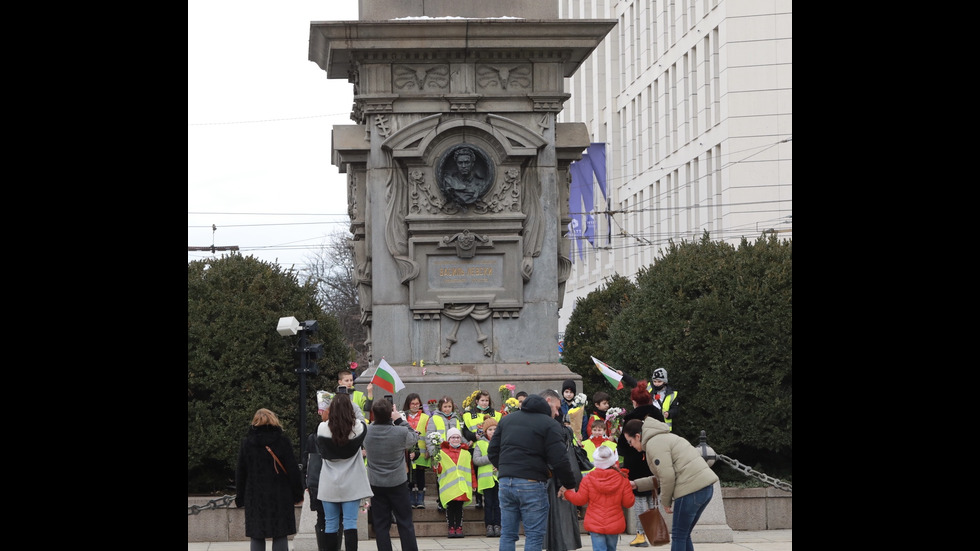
691,102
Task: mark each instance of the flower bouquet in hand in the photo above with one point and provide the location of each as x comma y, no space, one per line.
614,417
511,405
434,438
506,392
430,407
579,400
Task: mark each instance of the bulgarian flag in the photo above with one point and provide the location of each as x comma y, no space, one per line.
615,379
386,378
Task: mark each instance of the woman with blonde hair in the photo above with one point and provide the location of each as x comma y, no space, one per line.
269,483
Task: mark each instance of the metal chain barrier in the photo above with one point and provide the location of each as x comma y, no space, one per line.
224,501
785,486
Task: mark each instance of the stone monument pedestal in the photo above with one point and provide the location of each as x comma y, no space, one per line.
305,538
712,527
459,381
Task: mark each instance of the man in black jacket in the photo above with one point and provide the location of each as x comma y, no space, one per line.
526,442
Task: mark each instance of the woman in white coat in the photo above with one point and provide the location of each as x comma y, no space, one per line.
343,476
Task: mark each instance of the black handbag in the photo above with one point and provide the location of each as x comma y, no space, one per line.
584,463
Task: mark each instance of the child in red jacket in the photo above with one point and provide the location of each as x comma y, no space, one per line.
456,479
606,490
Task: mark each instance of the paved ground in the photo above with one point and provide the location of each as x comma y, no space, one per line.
765,540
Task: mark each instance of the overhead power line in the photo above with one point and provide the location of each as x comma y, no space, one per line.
213,248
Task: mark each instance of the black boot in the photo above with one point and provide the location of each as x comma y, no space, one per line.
340,539
322,542
350,536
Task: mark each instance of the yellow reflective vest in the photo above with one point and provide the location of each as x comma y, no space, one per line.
456,479
421,460
473,419
485,475
665,407
589,447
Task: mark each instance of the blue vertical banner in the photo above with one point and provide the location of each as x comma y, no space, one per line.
590,229
574,233
581,200
597,157
574,208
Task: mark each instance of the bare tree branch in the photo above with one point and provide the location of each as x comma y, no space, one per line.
332,269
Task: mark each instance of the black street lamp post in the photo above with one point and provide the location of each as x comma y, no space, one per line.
307,352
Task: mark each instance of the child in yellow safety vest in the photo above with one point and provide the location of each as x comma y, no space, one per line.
486,479
417,418
597,439
456,479
442,419
600,404
476,408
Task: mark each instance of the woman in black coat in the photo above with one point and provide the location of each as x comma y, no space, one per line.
635,461
269,483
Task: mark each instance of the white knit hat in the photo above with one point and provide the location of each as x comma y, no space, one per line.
603,457
453,432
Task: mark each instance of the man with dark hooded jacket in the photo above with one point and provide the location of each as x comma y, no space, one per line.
525,443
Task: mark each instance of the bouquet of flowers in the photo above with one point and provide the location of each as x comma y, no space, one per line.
510,405
579,400
506,392
430,407
434,438
613,418
323,399
471,400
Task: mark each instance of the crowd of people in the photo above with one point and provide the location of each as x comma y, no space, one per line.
518,463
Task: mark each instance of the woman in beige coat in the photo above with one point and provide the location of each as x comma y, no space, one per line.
686,480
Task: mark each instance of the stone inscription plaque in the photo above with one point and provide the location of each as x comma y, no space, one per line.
491,276
456,273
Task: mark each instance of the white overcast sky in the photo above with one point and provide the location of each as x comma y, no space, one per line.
259,116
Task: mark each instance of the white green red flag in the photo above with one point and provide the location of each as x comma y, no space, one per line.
615,379
386,378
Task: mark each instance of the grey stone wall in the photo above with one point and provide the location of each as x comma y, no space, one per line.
745,509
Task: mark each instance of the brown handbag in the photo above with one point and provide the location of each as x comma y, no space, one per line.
653,522
655,527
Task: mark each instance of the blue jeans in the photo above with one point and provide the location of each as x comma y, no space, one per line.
523,500
687,511
604,542
332,511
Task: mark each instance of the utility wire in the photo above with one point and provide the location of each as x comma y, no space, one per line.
267,120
